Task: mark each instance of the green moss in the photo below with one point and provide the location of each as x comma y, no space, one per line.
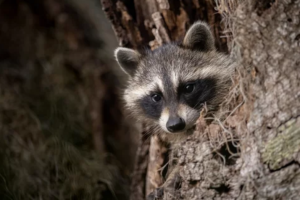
283,147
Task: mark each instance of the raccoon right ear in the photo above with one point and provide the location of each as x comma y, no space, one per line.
128,59
199,37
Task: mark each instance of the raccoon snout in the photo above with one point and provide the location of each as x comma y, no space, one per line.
175,124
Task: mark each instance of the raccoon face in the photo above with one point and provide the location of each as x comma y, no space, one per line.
170,85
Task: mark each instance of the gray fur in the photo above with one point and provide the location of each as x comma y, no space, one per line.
166,67
128,59
199,37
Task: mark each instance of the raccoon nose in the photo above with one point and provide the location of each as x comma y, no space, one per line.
175,124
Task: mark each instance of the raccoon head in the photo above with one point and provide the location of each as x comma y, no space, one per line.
170,85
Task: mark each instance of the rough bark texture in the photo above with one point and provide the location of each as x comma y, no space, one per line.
260,154
251,151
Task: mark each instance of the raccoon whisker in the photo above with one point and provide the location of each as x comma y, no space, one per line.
199,103
147,136
151,131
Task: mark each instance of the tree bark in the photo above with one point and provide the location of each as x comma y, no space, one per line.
251,150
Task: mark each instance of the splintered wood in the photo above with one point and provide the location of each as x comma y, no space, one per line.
156,160
160,33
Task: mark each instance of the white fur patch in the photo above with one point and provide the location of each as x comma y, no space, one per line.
175,79
164,117
182,111
188,114
160,84
209,71
138,92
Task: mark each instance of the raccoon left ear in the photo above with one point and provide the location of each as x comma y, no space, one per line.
128,59
199,37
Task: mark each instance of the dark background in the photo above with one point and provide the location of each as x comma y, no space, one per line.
64,134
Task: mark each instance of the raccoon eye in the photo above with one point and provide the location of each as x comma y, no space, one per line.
189,88
156,97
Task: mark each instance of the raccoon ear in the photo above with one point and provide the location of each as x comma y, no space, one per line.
128,59
199,37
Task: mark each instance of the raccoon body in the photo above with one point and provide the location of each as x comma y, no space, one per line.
168,87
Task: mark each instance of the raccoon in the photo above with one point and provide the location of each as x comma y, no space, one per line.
168,87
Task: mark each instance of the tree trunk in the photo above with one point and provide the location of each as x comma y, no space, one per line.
250,151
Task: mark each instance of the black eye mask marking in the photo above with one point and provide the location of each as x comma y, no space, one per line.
151,108
204,90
